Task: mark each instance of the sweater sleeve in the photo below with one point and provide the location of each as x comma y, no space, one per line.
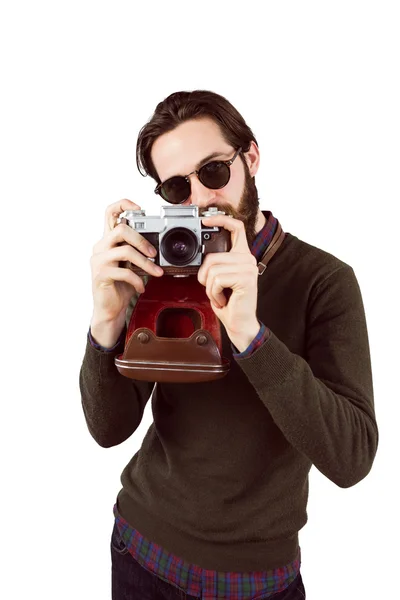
113,405
324,403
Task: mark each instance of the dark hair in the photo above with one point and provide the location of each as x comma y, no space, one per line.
183,106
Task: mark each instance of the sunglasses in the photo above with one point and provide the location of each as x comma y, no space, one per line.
213,175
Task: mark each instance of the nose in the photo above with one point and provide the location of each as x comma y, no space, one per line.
200,195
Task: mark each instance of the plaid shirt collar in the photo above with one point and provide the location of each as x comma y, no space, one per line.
263,237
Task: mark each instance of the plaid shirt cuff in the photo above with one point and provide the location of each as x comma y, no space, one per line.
258,341
98,347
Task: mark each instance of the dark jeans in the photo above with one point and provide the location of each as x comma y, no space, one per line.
131,581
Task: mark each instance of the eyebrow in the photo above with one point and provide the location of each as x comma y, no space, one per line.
208,158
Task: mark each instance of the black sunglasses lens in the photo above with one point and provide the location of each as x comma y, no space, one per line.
214,175
175,190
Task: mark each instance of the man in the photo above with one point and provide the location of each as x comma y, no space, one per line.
212,503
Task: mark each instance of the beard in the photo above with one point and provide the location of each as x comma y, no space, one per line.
248,208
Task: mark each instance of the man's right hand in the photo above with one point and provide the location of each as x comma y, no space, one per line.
113,286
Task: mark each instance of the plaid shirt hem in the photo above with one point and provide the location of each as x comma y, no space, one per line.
204,583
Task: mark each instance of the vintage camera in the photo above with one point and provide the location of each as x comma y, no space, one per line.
180,238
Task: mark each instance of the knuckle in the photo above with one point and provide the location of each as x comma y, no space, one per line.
137,259
118,228
210,273
141,241
119,231
130,254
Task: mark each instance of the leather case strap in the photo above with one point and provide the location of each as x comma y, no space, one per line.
273,247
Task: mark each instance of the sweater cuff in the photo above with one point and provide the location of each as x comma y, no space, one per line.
272,365
258,341
101,348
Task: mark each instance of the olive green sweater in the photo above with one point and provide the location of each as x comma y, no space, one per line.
221,478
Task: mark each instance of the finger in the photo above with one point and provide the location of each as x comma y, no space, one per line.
123,234
126,253
219,279
217,285
114,210
236,227
108,275
215,289
214,286
223,258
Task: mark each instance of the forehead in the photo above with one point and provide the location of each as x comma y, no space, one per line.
179,151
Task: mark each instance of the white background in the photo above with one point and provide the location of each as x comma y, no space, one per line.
318,82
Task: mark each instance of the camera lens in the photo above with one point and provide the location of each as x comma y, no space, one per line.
179,246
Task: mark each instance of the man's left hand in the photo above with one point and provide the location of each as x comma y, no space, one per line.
237,270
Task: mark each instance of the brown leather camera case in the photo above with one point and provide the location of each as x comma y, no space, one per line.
173,334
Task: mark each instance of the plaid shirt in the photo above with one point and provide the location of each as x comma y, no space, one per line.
192,579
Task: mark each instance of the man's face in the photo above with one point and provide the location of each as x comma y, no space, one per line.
187,148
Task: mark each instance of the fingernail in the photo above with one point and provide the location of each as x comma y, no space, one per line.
151,250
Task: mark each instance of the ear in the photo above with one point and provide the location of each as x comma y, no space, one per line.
252,157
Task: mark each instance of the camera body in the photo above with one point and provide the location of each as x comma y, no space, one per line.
180,238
